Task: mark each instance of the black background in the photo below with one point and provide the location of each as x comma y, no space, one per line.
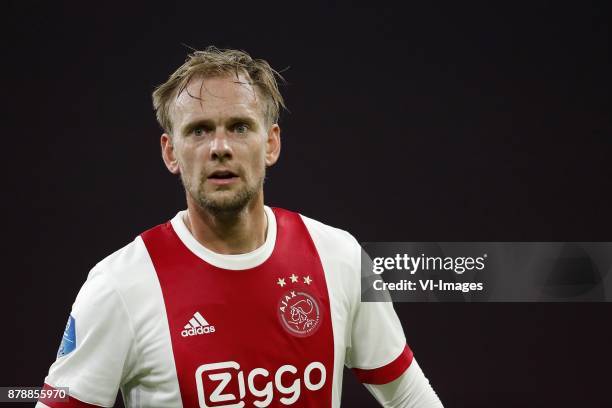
438,122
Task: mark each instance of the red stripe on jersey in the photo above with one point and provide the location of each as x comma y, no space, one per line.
262,334
71,403
387,373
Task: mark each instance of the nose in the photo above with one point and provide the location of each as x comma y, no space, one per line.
220,148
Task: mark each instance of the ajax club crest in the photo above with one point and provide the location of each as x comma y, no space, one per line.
299,313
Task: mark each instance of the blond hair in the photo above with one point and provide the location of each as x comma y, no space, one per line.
215,62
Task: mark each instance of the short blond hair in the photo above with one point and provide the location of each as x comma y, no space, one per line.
215,62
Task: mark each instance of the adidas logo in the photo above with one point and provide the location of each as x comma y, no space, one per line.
197,325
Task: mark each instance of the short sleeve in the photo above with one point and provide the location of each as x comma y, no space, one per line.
96,349
377,352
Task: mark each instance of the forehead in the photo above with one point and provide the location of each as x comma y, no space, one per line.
216,98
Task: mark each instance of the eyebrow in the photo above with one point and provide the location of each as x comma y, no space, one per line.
189,126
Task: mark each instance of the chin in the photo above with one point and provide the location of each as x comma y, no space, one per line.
225,202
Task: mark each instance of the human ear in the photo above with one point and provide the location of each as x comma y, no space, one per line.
170,159
273,145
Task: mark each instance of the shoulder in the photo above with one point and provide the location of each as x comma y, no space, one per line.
124,265
337,239
101,298
109,277
339,251
124,279
340,256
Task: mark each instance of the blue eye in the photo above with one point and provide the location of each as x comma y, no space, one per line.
241,128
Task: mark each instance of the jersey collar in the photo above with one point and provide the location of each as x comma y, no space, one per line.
233,262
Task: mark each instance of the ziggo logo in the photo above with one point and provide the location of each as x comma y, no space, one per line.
291,393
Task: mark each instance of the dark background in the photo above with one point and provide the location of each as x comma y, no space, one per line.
439,122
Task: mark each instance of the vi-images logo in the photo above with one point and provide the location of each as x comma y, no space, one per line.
197,325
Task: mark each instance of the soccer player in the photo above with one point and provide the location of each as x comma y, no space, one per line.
231,303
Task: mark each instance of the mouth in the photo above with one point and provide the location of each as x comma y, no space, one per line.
222,177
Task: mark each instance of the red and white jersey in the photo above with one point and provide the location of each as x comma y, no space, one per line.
173,324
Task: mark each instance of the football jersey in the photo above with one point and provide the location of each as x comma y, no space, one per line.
173,324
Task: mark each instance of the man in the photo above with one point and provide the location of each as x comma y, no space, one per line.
231,303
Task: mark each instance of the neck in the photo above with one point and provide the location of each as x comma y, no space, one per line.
228,233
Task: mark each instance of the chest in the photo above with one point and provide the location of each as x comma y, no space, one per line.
256,337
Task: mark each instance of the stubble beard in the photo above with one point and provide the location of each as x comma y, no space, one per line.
228,204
